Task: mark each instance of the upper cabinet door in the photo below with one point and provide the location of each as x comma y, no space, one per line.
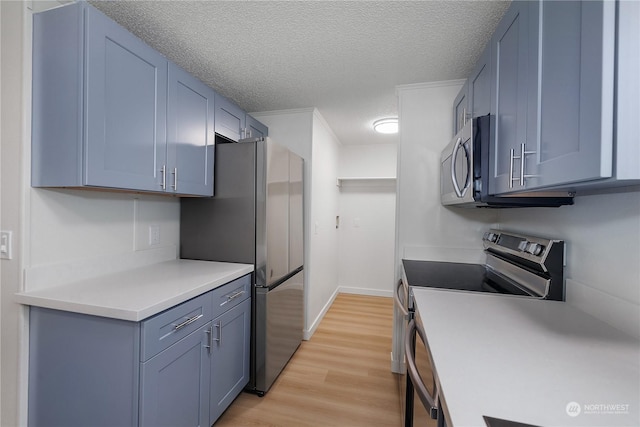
570,133
480,85
628,91
553,95
461,108
510,69
125,108
230,119
190,134
255,129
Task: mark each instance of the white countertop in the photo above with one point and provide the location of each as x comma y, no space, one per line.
526,360
139,293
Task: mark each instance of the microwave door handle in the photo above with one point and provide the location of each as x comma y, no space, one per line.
454,154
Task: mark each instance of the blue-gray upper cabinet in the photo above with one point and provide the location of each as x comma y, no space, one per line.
626,154
255,129
233,123
510,67
479,83
99,103
190,135
554,92
474,98
230,119
461,108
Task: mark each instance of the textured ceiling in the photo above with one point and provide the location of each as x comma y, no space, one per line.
343,57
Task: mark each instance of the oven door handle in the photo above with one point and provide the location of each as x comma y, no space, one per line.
410,351
398,302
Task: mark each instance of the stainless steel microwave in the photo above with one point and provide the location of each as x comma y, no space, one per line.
465,172
456,172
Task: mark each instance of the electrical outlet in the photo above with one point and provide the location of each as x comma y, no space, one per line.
154,234
5,245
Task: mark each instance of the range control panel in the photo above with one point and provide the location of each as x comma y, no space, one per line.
527,247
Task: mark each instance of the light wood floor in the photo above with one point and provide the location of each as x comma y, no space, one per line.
341,377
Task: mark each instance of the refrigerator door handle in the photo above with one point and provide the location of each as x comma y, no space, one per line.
284,278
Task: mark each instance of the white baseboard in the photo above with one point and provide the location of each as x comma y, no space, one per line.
398,366
365,291
308,333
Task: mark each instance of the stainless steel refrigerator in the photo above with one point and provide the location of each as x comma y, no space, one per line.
256,217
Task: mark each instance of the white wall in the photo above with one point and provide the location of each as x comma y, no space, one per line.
0,210
324,209
12,109
603,252
424,228
59,235
306,133
602,231
367,219
368,160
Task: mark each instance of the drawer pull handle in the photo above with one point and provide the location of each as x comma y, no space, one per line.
233,296
187,322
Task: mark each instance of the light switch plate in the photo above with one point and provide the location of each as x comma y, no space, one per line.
5,244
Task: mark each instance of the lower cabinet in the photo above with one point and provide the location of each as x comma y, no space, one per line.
229,357
175,384
181,367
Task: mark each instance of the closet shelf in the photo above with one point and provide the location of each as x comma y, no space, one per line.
366,180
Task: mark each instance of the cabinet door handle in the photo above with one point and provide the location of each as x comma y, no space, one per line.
209,333
522,158
187,322
163,171
512,158
523,153
219,327
175,179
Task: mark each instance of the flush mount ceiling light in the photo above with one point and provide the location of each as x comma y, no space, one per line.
388,125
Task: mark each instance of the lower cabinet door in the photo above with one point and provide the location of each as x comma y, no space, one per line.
229,357
174,384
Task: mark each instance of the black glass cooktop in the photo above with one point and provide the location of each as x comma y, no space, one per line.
458,276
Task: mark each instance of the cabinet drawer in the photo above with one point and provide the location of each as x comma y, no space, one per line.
231,294
168,327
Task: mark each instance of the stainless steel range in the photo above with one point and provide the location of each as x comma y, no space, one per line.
516,264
